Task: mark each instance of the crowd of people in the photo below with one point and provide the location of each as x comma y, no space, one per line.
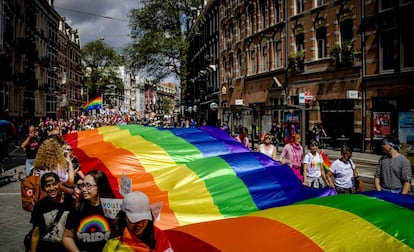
72,197
393,173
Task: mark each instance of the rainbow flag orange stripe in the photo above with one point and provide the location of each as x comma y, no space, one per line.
326,161
95,103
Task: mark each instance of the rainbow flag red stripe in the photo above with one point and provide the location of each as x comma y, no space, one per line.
95,103
326,161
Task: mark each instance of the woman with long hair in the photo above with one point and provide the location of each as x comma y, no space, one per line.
50,158
133,228
87,228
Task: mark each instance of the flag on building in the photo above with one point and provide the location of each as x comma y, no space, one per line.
95,103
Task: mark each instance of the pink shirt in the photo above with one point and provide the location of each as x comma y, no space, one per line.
291,155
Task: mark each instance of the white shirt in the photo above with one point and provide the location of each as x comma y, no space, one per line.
314,165
343,173
267,151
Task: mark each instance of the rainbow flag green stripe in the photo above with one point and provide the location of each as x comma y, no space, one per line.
198,174
201,168
364,207
334,229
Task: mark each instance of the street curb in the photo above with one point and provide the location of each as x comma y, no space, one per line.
17,173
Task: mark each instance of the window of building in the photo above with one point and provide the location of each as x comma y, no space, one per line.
251,20
252,59
263,15
345,25
240,25
240,62
264,55
299,6
387,50
407,50
277,10
224,66
321,42
319,2
278,52
385,4
231,65
231,33
300,42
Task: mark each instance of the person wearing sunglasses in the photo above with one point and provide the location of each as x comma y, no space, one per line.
87,228
393,173
313,172
133,228
267,147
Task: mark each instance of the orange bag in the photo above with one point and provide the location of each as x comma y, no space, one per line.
31,191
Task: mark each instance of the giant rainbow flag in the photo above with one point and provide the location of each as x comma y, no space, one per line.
95,103
217,195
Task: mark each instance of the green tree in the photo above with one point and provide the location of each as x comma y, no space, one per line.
100,63
159,47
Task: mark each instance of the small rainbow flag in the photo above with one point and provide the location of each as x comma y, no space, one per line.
95,103
326,161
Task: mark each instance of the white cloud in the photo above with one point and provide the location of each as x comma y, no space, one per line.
88,16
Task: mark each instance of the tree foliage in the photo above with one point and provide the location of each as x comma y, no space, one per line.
100,63
159,48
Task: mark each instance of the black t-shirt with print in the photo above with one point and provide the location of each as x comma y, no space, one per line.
44,215
92,229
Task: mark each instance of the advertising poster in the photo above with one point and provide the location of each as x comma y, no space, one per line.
381,125
406,134
292,124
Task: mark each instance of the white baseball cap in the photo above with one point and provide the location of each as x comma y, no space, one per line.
136,206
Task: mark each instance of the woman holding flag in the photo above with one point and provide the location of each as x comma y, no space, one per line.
313,172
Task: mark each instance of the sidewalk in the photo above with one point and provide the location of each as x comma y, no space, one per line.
14,221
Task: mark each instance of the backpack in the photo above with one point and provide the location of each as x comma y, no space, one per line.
31,191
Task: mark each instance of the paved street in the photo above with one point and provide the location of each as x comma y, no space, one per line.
15,221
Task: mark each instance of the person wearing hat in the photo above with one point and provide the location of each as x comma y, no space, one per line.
393,173
49,216
133,228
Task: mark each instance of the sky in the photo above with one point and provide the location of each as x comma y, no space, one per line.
88,16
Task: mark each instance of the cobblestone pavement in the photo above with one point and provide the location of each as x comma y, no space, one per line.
14,221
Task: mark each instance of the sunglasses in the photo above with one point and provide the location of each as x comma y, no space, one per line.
314,144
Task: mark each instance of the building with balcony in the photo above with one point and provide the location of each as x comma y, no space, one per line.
202,90
69,72
388,72
303,62
31,50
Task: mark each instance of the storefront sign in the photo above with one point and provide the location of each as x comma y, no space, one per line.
381,124
292,125
238,102
301,98
352,94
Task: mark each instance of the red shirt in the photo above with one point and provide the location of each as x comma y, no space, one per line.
130,242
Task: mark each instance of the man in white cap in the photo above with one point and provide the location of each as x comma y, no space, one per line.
133,227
